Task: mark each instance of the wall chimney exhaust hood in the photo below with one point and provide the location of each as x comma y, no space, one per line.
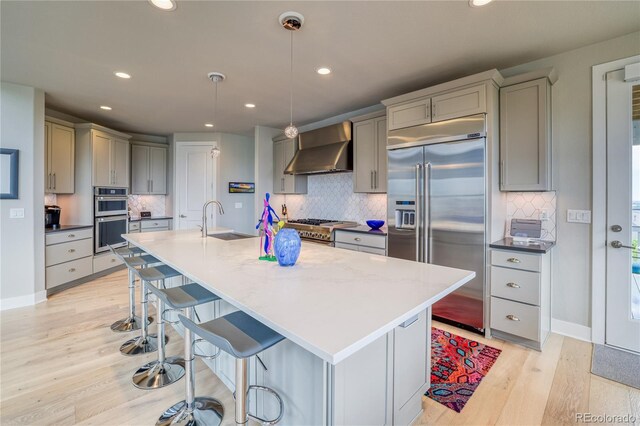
325,150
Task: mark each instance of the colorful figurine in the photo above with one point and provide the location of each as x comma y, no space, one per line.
265,224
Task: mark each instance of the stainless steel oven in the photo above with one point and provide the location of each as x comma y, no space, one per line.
110,201
109,230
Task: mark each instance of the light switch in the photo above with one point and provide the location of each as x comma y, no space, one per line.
238,205
17,213
579,216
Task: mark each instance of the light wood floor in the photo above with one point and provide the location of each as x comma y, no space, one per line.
60,365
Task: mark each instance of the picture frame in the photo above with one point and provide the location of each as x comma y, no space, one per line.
9,173
242,187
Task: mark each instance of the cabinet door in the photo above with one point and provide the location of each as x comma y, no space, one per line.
459,103
120,162
278,167
48,180
525,141
409,114
102,172
289,151
62,156
140,180
381,156
364,155
158,170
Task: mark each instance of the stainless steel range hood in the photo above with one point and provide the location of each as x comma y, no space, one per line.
325,150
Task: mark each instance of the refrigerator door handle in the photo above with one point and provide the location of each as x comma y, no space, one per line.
427,213
419,222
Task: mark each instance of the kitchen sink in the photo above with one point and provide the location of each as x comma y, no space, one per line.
230,236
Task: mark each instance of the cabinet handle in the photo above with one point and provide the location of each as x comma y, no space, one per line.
72,250
375,179
513,318
410,321
513,285
151,185
71,235
501,172
72,269
371,179
282,184
54,181
49,181
155,224
113,260
513,260
357,239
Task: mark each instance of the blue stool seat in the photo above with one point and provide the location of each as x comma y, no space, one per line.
160,272
134,261
236,333
129,251
184,296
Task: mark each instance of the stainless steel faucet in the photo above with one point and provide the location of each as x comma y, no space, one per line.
204,215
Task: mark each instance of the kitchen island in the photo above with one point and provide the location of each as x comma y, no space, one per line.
357,325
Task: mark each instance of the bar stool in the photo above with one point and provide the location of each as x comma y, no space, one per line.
190,411
242,337
146,343
131,322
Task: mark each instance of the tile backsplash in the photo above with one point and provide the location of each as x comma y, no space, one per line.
331,197
527,205
50,199
153,203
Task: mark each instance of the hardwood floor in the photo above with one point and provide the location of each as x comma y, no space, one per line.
60,365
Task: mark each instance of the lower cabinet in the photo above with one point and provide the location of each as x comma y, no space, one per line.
68,256
102,262
361,241
150,225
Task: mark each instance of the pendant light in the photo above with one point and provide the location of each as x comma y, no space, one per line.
291,21
215,77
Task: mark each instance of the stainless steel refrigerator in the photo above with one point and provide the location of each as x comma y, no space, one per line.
437,206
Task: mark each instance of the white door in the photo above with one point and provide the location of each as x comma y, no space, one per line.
195,184
623,213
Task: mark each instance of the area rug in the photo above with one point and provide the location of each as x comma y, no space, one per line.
458,365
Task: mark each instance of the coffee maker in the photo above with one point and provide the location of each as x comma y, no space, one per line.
51,216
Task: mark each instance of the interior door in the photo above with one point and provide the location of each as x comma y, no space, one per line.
623,213
195,184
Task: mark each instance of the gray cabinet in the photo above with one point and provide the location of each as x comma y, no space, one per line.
370,155
409,114
59,158
283,152
148,169
68,256
525,136
110,160
360,241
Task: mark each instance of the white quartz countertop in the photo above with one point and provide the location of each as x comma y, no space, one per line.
332,302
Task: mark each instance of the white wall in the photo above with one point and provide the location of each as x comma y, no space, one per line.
572,172
235,164
22,240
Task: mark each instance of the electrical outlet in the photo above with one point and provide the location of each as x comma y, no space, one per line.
579,216
238,205
543,214
17,213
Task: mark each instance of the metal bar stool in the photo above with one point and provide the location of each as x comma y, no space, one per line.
242,337
146,343
131,322
192,410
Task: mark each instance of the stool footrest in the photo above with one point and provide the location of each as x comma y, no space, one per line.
267,422
203,356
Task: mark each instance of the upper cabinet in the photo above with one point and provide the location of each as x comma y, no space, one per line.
109,153
438,107
59,158
283,152
525,136
148,169
370,154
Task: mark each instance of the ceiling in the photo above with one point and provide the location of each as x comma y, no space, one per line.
375,49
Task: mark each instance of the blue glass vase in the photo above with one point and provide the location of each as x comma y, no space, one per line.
287,246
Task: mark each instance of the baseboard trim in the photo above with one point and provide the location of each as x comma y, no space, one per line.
22,301
570,329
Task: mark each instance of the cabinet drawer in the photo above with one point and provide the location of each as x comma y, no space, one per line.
410,114
459,103
516,260
65,252
154,224
515,318
68,271
65,236
522,286
363,249
105,261
375,241
134,226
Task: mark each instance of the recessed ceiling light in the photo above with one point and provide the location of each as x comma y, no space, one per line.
167,5
250,105
122,74
478,3
106,108
323,71
208,125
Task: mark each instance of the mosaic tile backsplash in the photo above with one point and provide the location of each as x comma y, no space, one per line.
527,205
331,197
153,203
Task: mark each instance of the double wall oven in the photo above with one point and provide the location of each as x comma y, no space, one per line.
111,217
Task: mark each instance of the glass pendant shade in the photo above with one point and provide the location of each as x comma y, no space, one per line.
291,131
215,152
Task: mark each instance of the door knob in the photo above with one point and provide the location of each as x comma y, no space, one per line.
182,216
618,244
616,228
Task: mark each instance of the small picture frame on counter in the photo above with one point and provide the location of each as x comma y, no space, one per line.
9,173
242,187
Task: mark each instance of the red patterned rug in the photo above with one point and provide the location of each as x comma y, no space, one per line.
458,365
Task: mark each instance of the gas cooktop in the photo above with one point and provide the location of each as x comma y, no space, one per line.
318,229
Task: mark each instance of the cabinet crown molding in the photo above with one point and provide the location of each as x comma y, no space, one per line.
93,126
549,73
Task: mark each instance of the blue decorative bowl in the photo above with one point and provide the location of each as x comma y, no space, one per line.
287,246
375,224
